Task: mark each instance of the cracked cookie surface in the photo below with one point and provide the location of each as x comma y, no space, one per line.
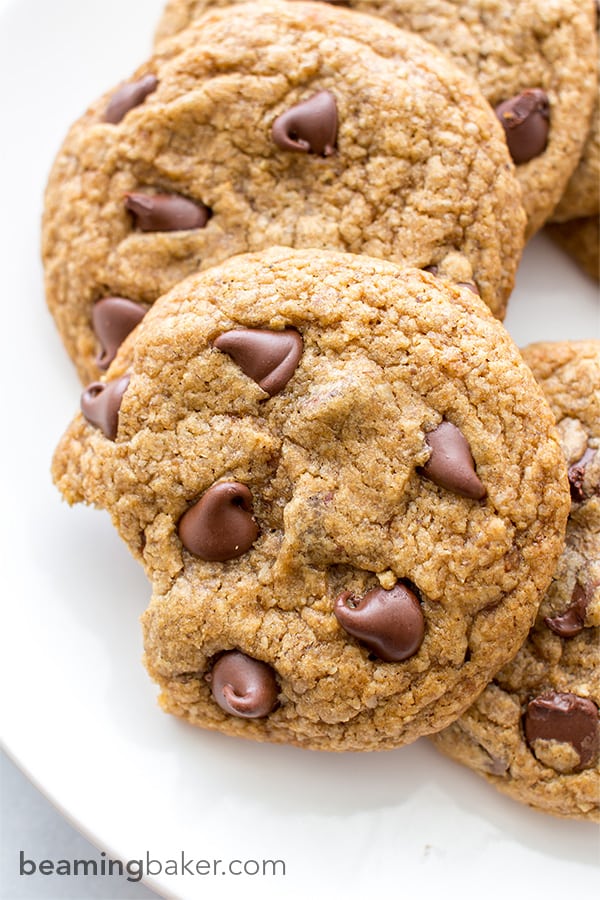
533,733
385,507
418,171
509,48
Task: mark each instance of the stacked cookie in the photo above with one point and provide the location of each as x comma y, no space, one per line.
278,124
534,63
576,219
534,731
283,241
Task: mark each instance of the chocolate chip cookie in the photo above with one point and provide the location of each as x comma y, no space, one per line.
581,198
534,63
295,124
533,733
581,240
344,485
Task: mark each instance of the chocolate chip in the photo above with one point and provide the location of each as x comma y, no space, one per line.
526,121
267,357
128,96
451,464
572,621
220,526
576,475
101,402
433,270
494,765
112,320
566,718
308,127
469,285
390,623
166,212
243,686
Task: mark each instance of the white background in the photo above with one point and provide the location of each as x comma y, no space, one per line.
79,713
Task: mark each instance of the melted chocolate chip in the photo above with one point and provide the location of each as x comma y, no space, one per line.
526,122
308,127
220,526
451,464
101,402
243,686
129,96
267,357
572,621
390,623
576,474
112,320
166,212
566,718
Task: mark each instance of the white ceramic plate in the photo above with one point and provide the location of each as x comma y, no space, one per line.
80,715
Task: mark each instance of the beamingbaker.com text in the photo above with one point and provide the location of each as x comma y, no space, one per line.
150,865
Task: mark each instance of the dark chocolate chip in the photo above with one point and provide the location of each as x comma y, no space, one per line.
112,320
166,212
390,623
451,464
101,402
128,96
576,475
220,526
572,621
308,127
566,718
433,270
243,686
469,285
267,357
526,121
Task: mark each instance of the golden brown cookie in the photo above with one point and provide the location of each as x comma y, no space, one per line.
533,733
344,485
581,240
292,124
542,53
581,198
582,195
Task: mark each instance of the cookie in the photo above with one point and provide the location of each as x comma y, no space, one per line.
534,62
581,198
344,485
533,733
581,240
291,124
